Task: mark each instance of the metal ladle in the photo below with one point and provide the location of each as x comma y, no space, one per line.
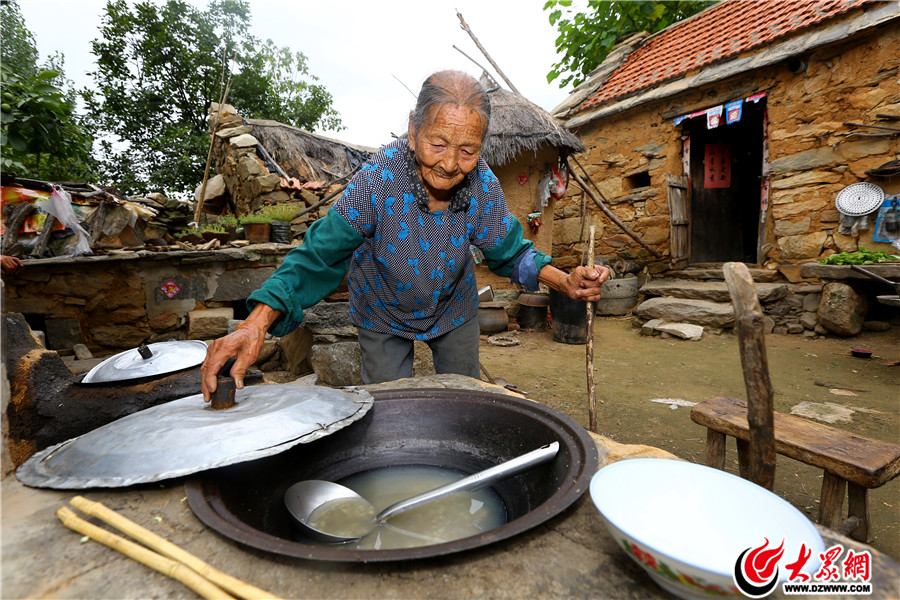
304,497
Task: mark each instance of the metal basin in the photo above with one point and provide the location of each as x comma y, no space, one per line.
462,430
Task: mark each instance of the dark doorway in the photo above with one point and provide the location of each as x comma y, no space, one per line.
726,175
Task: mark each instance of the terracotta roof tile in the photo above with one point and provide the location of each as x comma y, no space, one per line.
718,33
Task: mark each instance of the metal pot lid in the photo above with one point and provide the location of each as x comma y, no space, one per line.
151,360
858,199
186,436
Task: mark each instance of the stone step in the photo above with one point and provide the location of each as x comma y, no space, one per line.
687,310
715,272
713,291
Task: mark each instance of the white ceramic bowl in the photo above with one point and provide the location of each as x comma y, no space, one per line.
687,524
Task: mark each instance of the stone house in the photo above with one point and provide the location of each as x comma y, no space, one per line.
523,142
727,136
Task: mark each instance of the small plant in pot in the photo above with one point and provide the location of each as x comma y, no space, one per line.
192,236
256,228
230,224
214,231
281,216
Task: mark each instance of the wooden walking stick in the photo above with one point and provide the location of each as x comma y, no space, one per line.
759,452
592,394
170,550
166,566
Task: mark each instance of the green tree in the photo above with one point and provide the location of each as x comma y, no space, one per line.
40,133
160,65
587,37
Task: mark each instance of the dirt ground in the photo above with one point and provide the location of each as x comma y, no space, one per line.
632,370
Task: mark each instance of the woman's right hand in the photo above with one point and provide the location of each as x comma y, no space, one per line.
243,346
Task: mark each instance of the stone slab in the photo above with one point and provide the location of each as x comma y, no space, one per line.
687,310
714,291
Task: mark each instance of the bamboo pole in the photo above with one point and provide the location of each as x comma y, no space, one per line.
465,27
148,558
212,139
748,317
168,549
590,307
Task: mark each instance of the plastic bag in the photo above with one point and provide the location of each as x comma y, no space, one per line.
557,185
59,204
542,199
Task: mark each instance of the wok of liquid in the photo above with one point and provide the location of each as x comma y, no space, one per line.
461,515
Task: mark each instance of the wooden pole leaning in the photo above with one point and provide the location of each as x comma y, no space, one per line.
748,316
166,548
157,562
591,308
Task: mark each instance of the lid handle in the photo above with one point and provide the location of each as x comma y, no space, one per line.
223,397
145,352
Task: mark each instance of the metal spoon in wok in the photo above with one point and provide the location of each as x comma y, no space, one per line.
342,515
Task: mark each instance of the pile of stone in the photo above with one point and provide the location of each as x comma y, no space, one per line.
171,214
250,178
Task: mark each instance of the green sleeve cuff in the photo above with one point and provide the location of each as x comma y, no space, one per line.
309,272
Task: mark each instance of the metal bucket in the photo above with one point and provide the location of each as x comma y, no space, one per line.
462,430
568,319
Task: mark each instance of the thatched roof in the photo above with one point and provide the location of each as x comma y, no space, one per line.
518,125
312,156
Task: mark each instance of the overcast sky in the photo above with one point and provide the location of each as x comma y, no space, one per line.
356,48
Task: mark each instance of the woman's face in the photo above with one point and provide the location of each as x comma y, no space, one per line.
446,148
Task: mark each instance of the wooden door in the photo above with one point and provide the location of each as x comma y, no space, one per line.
679,223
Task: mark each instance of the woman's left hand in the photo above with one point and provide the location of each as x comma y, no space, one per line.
584,283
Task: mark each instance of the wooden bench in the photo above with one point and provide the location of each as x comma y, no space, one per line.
850,461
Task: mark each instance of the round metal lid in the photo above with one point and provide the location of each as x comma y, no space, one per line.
187,436
858,199
151,360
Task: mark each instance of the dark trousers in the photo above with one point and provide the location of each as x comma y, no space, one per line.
386,357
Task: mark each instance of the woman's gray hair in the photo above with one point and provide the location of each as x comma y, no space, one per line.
451,87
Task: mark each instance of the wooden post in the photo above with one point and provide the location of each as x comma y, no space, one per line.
760,454
590,307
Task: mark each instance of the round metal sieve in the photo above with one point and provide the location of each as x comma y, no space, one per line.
858,199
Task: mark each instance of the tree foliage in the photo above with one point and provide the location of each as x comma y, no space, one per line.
160,65
40,133
587,37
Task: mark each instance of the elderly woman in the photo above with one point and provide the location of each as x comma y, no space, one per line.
405,225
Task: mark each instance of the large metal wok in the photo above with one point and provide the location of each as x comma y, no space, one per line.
460,430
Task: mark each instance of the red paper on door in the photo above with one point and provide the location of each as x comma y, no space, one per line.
717,166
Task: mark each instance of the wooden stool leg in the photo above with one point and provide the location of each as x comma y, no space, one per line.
743,447
715,449
858,506
832,501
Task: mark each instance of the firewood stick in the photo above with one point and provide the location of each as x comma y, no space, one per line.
168,549
592,392
148,558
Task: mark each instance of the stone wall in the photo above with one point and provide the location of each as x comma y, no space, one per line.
812,154
117,302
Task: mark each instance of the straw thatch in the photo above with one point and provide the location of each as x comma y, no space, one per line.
518,126
308,155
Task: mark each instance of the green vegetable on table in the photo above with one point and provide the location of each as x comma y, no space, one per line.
860,257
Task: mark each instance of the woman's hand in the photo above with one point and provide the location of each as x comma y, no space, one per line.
581,284
584,283
243,346
9,264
